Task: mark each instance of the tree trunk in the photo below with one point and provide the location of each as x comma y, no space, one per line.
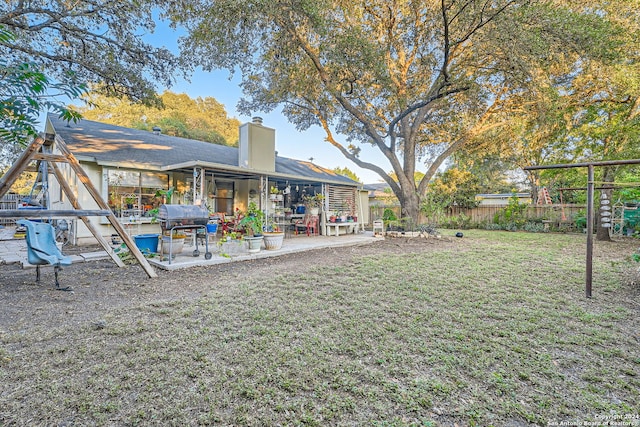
534,179
410,206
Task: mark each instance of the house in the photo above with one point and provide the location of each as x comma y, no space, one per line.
502,199
136,171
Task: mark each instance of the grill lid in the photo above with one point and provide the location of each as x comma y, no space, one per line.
183,214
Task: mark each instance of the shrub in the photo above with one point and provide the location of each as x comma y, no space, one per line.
512,217
457,221
389,215
533,227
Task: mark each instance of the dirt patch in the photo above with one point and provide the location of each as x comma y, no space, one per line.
100,286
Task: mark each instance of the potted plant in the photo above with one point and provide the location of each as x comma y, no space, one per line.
275,194
129,201
230,243
313,203
273,237
165,195
173,243
251,225
153,214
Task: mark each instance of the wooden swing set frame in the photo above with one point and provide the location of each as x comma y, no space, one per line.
34,151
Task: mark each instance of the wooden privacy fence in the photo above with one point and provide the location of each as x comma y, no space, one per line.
549,212
482,214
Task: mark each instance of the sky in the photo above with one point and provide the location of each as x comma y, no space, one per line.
289,141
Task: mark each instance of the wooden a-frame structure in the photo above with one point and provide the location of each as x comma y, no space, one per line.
34,151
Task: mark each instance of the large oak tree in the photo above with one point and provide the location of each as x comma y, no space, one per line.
417,79
587,110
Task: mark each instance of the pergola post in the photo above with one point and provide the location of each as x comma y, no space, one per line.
590,221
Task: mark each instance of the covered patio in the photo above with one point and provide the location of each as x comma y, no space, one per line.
14,250
292,245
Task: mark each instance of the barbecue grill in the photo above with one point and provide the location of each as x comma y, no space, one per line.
185,217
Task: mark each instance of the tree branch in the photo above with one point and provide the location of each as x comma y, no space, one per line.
355,159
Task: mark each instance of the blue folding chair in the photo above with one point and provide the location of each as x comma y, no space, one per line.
42,249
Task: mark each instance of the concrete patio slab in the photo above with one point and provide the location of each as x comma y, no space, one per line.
14,251
92,256
290,245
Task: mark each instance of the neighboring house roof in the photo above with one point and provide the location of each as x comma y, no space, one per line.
111,145
378,189
378,186
502,195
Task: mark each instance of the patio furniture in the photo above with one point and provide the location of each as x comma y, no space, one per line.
309,225
42,249
350,227
378,227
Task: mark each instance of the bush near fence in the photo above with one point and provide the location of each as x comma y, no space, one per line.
547,216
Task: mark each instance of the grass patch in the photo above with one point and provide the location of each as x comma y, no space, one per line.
494,331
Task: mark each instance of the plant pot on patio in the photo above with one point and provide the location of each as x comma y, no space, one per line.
174,245
254,242
273,240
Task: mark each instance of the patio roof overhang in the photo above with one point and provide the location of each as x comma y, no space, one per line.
216,169
234,172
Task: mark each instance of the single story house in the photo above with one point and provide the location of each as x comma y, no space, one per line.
136,171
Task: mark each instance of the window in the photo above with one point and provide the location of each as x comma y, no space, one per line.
134,193
224,197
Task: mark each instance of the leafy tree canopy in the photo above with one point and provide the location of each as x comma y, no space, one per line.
454,187
23,184
348,173
415,79
24,92
489,169
98,41
203,119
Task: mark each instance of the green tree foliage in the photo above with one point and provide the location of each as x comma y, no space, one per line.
454,187
99,41
489,170
23,184
347,172
415,79
203,119
25,91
